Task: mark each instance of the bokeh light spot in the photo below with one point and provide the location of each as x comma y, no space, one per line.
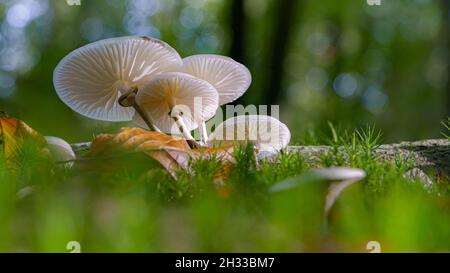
18,15
374,100
345,85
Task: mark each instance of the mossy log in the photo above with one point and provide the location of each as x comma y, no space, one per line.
429,154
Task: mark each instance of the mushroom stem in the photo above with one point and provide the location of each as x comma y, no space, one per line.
146,118
203,133
184,130
129,100
182,127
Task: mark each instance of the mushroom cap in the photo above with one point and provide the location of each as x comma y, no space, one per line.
230,78
175,93
340,173
345,175
91,78
60,150
267,133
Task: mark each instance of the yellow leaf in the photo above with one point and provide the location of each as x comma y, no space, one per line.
14,133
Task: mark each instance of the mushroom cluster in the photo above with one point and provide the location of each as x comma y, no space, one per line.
145,80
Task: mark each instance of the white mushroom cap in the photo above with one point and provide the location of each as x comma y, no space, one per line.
267,133
177,94
338,178
59,149
340,173
230,78
92,78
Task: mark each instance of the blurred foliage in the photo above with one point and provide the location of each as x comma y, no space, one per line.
340,61
140,208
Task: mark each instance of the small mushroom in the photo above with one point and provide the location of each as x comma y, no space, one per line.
178,102
60,150
266,133
338,178
340,173
101,79
230,78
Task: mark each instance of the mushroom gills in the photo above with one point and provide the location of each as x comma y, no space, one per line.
178,103
91,78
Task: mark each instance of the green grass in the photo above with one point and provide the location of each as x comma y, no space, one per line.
446,125
130,204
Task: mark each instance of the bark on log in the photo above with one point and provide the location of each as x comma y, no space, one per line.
429,154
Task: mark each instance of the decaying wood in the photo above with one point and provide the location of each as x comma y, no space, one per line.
426,154
79,148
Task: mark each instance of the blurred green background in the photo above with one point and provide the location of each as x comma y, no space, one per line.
340,61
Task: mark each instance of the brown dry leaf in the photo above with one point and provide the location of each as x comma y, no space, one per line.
171,152
14,133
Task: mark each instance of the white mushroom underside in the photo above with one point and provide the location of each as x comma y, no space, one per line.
230,78
177,93
88,79
267,133
339,173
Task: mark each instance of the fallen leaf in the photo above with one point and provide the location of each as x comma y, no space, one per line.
14,133
171,152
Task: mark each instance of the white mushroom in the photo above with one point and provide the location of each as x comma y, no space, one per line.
94,78
338,177
267,133
60,150
340,173
178,102
342,177
230,78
